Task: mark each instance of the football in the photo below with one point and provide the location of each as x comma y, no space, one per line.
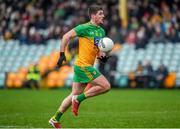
106,44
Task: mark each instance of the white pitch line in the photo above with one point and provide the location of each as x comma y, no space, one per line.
12,126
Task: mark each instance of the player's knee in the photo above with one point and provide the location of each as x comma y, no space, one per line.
107,87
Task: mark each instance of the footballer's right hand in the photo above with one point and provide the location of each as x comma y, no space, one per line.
61,59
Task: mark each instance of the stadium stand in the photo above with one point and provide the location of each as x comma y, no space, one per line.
18,60
30,32
157,54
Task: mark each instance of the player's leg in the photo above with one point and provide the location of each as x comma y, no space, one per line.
99,85
86,75
55,120
77,88
88,86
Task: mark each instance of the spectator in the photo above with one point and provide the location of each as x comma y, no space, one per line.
139,75
23,37
50,19
33,77
158,36
115,35
161,74
131,38
141,38
148,74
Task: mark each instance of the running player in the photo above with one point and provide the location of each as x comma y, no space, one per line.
89,35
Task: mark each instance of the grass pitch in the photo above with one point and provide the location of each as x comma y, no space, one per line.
129,108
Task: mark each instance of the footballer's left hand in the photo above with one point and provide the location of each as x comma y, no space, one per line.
103,59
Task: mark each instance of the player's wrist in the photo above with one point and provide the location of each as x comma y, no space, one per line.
62,54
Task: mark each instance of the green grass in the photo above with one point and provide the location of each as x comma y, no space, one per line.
118,109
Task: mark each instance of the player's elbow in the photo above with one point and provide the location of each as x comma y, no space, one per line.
70,34
66,37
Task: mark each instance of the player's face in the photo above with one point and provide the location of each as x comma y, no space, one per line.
99,17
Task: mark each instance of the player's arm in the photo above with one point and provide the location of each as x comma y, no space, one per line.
65,40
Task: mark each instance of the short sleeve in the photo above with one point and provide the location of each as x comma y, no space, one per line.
79,30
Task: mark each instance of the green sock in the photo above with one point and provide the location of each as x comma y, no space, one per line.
81,97
57,115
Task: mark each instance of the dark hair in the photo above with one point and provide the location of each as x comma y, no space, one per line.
93,9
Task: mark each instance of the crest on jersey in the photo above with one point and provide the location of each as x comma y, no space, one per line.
96,40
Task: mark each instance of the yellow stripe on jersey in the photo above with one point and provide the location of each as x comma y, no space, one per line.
89,36
87,52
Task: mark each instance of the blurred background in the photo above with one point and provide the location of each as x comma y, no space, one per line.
146,35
